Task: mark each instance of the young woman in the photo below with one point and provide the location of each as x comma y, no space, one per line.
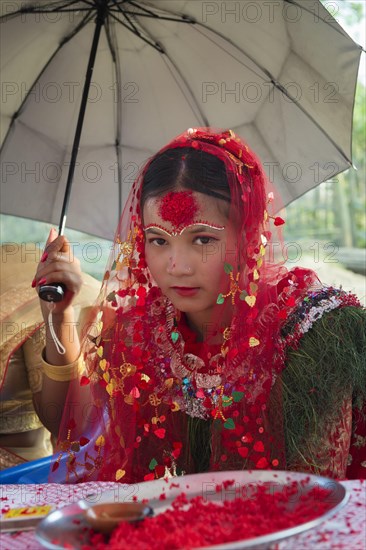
204,354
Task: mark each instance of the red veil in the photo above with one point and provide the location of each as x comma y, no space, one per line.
154,401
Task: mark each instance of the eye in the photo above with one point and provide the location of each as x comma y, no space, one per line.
203,240
157,241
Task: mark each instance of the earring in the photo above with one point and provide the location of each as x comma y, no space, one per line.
234,286
277,220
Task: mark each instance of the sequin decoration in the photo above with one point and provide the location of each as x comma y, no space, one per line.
178,208
312,308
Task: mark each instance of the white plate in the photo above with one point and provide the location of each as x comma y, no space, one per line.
67,527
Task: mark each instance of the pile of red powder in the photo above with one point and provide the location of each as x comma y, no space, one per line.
197,522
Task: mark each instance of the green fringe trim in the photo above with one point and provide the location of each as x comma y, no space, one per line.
328,366
199,431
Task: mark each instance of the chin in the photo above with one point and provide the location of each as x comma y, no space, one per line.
186,307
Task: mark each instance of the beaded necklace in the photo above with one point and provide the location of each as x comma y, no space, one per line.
201,394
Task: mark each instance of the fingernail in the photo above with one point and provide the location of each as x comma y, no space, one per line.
34,282
42,281
44,256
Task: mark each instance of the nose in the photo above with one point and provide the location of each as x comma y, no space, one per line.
178,266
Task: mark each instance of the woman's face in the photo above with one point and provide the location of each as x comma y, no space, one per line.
188,238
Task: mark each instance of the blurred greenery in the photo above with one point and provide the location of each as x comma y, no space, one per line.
351,11
335,210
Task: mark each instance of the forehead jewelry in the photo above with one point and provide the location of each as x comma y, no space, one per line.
178,208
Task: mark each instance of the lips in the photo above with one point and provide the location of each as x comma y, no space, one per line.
185,290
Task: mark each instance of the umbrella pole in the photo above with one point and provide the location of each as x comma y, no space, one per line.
54,292
102,11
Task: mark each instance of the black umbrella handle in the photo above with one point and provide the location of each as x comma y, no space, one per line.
54,292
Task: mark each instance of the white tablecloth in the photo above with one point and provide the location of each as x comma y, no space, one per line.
346,529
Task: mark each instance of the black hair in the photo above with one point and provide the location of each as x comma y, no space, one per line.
185,168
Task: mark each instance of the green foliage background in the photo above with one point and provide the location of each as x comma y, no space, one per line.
335,211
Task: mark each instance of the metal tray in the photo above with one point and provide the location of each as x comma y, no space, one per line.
67,527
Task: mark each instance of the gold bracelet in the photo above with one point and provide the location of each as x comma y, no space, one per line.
62,373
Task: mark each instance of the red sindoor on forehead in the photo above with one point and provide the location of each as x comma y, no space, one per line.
178,208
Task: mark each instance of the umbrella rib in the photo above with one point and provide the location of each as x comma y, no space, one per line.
139,35
205,121
48,9
22,11
133,26
117,69
61,4
159,17
107,28
88,3
181,18
263,69
310,117
64,3
88,17
137,32
275,83
69,10
321,18
148,13
167,56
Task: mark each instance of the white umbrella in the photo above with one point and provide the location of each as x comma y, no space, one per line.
282,74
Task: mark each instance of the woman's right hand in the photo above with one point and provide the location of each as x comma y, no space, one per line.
59,265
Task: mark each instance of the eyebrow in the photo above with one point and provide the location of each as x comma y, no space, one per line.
154,231
201,228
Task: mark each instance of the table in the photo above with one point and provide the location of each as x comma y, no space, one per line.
346,529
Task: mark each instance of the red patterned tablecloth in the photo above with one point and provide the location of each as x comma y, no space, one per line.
345,530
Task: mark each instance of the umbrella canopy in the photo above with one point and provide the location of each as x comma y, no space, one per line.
281,74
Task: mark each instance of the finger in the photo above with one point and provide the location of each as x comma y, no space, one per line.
57,246
72,281
59,265
60,273
52,236
66,248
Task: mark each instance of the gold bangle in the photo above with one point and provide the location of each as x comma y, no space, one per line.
62,373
